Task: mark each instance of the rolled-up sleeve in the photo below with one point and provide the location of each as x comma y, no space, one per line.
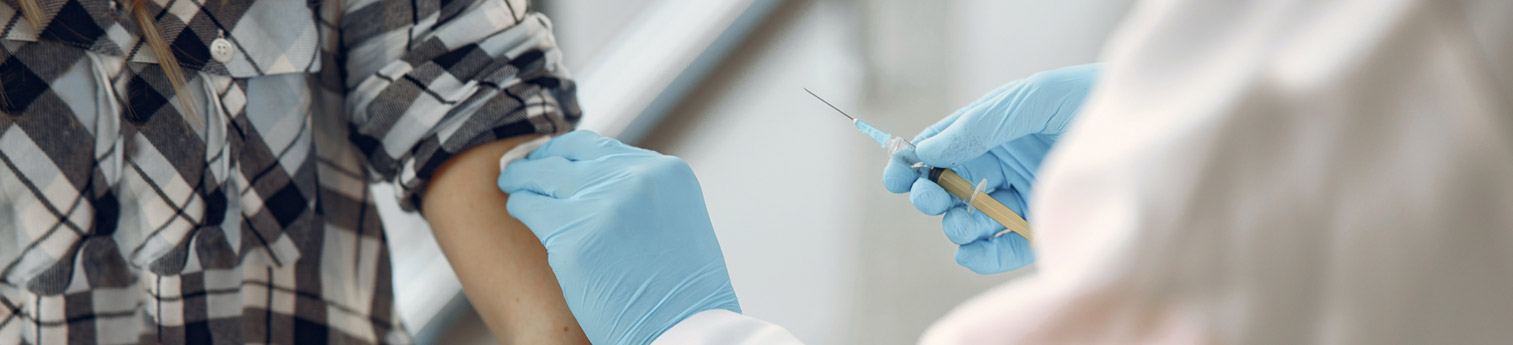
429,79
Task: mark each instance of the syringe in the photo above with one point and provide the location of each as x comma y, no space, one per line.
975,197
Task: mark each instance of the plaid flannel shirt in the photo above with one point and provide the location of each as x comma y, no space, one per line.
127,219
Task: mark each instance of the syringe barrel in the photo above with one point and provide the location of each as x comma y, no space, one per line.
963,189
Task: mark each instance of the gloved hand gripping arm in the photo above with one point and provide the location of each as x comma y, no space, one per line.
626,233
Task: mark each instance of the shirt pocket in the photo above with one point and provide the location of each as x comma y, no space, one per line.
60,143
245,198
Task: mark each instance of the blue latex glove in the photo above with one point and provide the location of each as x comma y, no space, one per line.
625,231
1001,137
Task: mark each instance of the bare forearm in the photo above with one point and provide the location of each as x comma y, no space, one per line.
502,265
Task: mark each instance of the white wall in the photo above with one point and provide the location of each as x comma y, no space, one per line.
766,156
584,27
994,41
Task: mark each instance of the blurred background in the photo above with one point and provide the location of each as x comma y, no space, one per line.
812,240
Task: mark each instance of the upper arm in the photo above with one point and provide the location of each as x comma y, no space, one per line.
436,91
501,264
427,80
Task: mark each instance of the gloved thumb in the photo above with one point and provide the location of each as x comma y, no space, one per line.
979,127
990,121
1043,103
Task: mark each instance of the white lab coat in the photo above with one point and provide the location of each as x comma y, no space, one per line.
1267,172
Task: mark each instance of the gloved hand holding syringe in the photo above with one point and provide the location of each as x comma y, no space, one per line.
1000,138
974,197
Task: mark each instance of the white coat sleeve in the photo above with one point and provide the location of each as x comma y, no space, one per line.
725,327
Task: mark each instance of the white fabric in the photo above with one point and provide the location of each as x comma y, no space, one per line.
521,150
724,327
1277,172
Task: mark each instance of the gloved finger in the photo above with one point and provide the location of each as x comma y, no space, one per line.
978,129
930,198
535,210
582,145
551,176
898,175
963,226
996,254
940,125
985,167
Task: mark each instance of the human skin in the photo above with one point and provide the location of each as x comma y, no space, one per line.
502,265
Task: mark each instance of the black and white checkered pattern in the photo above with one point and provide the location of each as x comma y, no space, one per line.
123,220
270,37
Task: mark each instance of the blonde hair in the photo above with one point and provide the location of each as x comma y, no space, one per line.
32,10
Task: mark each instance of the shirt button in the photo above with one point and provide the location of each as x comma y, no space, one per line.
221,50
